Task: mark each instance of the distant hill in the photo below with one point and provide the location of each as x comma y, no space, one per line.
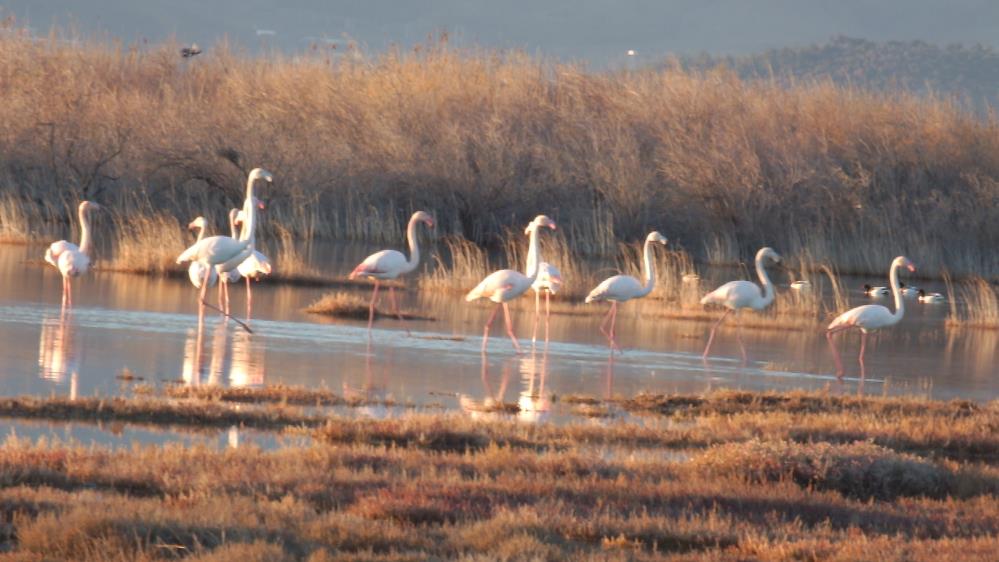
969,72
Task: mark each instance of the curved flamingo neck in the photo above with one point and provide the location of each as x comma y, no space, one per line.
650,270
201,232
414,245
249,229
233,213
533,249
84,231
768,286
896,290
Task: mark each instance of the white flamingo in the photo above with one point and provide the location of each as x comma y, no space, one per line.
197,271
255,266
622,288
232,276
507,284
736,295
72,260
224,251
390,264
549,281
870,316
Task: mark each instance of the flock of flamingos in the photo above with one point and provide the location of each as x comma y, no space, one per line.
223,260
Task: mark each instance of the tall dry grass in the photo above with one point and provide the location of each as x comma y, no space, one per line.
487,140
976,307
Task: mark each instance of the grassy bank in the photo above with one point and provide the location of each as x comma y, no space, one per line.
691,480
485,141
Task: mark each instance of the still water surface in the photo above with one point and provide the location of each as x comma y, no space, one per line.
148,327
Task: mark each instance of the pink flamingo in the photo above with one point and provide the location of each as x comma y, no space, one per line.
197,271
507,284
226,252
623,288
549,281
255,266
870,316
736,295
390,264
72,260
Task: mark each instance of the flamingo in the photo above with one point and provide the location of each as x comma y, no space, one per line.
622,288
72,260
876,292
224,251
930,298
197,270
253,267
549,281
507,284
870,316
233,275
390,264
736,295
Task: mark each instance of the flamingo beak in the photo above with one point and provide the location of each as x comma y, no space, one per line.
552,225
261,205
430,223
912,268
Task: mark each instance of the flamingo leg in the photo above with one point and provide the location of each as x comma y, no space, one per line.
395,307
738,337
249,300
711,337
69,290
548,313
509,327
371,307
603,325
65,294
537,316
863,347
485,331
835,352
613,334
201,306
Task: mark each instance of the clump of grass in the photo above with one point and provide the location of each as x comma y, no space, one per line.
273,394
978,308
341,304
861,470
146,244
459,268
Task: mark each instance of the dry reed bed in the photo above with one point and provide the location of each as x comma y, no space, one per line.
340,304
586,498
486,140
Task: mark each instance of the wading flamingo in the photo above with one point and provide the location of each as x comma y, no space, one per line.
622,288
870,316
390,264
197,270
549,281
735,295
232,276
506,284
255,266
226,252
72,260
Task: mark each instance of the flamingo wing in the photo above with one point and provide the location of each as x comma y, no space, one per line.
217,250
255,266
73,263
619,288
500,286
56,249
548,278
386,264
734,294
866,317
198,272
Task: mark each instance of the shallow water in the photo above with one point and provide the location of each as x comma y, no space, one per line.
147,328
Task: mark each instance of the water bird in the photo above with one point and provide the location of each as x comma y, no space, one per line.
254,267
507,284
549,281
188,52
802,286
736,295
909,292
930,298
197,271
390,264
72,260
876,292
232,276
870,316
623,288
227,252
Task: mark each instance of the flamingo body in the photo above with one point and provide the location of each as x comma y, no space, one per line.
383,265
501,286
255,266
737,294
619,288
867,318
549,278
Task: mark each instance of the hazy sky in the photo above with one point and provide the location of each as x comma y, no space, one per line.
599,31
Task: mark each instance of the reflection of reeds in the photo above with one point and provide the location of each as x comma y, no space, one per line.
979,306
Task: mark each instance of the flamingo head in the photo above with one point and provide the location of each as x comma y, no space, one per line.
768,252
905,262
538,222
655,236
198,223
259,204
261,174
86,206
423,217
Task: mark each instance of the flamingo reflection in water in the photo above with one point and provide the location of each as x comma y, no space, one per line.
533,402
492,406
59,351
237,360
371,398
